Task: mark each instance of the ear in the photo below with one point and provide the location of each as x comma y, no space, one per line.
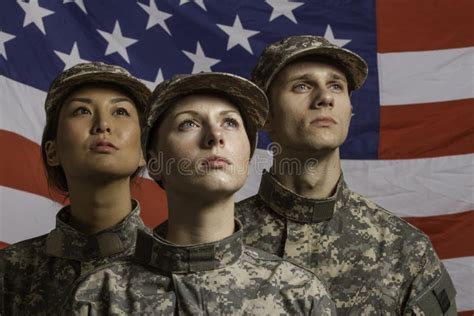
52,158
154,165
142,161
268,124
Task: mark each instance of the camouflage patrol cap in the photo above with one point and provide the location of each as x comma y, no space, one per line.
279,54
94,72
249,98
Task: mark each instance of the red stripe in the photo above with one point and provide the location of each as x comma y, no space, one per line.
154,206
451,234
407,25
21,168
426,130
466,313
3,245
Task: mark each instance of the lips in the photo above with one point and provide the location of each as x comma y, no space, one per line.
216,162
102,146
324,121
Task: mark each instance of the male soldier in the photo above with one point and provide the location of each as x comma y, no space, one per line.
203,132
373,262
91,150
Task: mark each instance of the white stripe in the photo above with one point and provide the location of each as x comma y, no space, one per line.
22,109
24,215
461,271
412,187
427,76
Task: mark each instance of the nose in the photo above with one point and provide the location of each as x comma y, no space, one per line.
323,98
101,125
213,137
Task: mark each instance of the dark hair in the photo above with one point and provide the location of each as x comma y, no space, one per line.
55,174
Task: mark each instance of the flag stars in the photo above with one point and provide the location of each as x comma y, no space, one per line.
4,37
79,3
117,43
329,35
201,61
34,14
152,84
198,2
238,35
72,58
283,8
155,16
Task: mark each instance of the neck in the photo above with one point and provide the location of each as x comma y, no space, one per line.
95,207
316,177
193,221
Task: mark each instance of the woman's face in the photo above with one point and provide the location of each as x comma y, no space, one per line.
98,135
201,147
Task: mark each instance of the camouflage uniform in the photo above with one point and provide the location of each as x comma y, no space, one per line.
373,262
37,274
217,278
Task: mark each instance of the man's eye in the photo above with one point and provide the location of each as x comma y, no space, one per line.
122,112
81,111
337,87
231,122
187,125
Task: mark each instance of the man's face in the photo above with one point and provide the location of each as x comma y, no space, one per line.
310,109
98,135
202,146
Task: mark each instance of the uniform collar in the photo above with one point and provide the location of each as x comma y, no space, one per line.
296,207
160,253
67,242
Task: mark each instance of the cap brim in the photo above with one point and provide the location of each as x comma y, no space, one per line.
355,66
249,96
131,85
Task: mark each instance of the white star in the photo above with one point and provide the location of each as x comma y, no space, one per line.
283,7
117,42
198,2
34,14
72,58
80,4
4,37
329,35
152,84
201,62
155,16
238,35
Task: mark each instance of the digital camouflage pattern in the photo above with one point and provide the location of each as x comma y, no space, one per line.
36,275
218,278
94,72
248,97
373,262
279,54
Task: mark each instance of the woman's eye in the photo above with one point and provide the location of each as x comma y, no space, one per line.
231,122
187,124
81,111
301,87
122,112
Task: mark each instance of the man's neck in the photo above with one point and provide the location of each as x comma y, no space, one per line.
192,220
95,207
316,176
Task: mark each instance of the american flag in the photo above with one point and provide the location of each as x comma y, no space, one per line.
411,143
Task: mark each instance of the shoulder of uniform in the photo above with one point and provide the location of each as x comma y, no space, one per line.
25,246
385,219
21,253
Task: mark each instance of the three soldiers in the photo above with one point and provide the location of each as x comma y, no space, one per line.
372,261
